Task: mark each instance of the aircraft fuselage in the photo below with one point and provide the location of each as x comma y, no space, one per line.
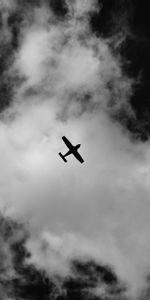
72,150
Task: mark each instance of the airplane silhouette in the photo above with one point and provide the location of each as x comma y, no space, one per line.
72,150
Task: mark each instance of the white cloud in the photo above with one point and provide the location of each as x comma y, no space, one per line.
79,9
99,209
31,56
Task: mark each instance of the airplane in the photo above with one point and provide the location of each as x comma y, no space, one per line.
72,150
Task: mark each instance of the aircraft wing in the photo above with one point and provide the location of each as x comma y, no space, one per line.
68,144
78,156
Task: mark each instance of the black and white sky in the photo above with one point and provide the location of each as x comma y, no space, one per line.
78,68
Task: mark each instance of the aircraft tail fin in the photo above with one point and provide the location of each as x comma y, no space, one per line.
64,159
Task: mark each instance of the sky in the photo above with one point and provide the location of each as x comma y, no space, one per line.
61,76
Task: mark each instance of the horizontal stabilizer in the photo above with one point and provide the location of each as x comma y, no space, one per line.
62,157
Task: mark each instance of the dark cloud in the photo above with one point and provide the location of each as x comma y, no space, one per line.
59,7
24,281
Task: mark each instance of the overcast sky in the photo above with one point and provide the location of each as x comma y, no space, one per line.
66,80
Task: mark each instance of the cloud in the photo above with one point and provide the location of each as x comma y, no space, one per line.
72,84
12,236
7,5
